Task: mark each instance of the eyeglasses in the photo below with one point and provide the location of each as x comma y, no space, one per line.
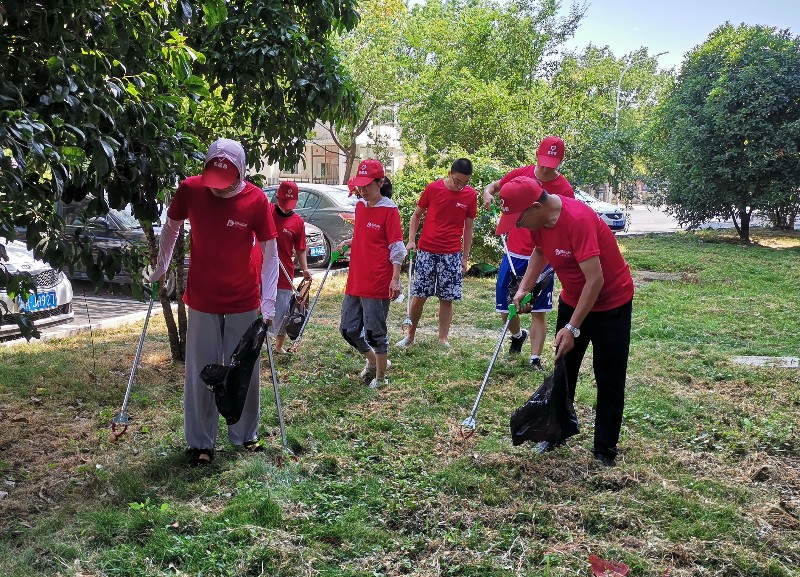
521,216
457,183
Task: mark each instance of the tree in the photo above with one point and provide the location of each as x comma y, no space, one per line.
371,53
119,100
731,127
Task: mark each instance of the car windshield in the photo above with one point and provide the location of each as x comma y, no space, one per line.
126,217
343,196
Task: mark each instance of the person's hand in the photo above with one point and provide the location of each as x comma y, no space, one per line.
394,288
488,200
306,273
149,274
341,245
518,296
412,245
267,311
267,321
564,342
464,263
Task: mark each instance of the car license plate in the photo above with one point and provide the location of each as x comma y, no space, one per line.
317,251
42,301
619,223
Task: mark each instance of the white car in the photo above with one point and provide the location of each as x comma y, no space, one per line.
50,304
614,216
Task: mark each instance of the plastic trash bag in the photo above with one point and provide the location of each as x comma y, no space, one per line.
298,310
548,415
230,382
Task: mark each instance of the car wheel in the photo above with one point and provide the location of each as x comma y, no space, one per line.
328,251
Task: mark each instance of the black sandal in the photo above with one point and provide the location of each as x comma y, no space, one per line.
201,457
255,446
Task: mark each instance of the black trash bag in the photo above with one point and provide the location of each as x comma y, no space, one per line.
548,415
230,382
298,310
513,287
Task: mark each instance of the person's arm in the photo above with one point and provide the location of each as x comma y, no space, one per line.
166,244
489,192
413,227
593,273
469,230
269,279
345,242
302,258
397,254
536,265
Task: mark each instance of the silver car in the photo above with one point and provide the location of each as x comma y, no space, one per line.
614,216
50,304
327,207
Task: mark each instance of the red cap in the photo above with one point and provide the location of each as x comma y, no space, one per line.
287,193
219,173
551,152
351,186
368,171
517,196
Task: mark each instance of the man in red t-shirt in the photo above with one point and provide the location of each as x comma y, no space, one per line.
373,281
291,241
449,207
596,298
520,246
222,290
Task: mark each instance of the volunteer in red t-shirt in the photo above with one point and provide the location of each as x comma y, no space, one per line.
222,290
449,206
376,254
520,246
596,298
291,241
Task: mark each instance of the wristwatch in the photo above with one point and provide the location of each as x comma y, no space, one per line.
576,332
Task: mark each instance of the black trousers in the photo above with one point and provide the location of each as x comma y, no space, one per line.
610,335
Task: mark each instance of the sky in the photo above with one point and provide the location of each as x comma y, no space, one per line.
676,26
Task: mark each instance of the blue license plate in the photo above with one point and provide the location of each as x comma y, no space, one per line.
317,251
619,223
41,301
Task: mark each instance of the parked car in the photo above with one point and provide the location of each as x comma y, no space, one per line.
327,207
614,216
316,249
50,304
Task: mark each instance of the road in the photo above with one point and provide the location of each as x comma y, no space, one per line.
645,219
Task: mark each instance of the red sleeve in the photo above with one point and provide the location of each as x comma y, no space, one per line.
521,171
585,243
264,227
394,229
300,237
472,209
178,208
424,200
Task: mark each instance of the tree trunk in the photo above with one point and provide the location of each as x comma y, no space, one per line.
176,331
743,223
350,158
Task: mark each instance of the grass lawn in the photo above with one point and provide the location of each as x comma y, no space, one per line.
707,482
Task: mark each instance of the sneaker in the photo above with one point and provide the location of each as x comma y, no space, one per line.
517,342
444,344
375,383
404,342
547,446
536,365
367,371
605,460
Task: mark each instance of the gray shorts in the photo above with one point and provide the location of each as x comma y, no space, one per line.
437,274
282,301
363,323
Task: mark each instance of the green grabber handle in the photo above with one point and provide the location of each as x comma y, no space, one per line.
512,309
337,254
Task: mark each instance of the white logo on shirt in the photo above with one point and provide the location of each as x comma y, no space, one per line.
461,205
287,231
373,225
564,252
236,224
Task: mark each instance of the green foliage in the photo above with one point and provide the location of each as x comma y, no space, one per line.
730,128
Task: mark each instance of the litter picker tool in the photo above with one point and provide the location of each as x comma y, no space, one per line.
468,425
279,407
407,323
119,424
336,255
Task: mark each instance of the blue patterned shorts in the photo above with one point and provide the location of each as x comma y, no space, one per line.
437,275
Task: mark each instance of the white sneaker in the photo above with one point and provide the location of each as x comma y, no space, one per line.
404,342
376,383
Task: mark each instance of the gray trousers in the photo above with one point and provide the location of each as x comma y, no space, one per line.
363,323
211,339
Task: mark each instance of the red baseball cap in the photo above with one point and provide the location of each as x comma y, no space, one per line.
516,196
219,172
551,152
287,192
351,187
368,171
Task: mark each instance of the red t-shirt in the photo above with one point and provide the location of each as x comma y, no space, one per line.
444,221
291,238
577,236
374,231
519,239
222,278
